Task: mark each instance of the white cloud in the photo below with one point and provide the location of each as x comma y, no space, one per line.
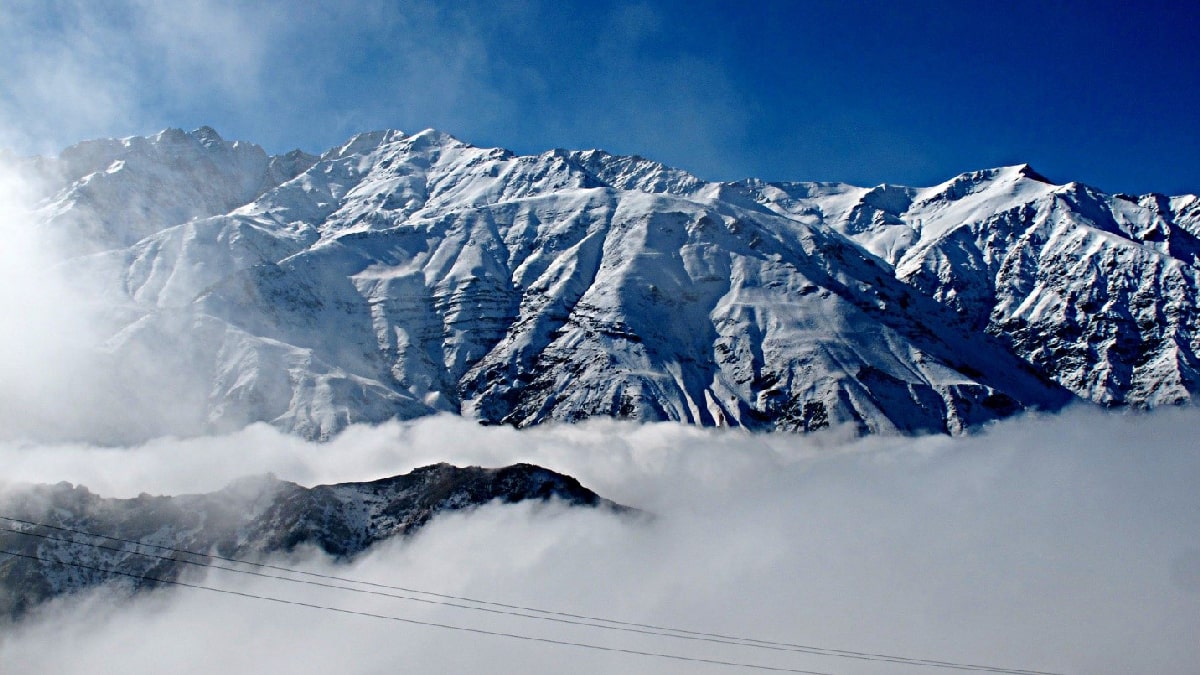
260,71
45,328
63,74
1058,543
77,70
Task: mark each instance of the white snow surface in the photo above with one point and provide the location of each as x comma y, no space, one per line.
401,275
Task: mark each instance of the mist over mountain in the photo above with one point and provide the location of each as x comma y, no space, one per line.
398,276
67,539
1064,543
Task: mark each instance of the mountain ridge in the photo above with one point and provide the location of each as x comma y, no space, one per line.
119,541
402,275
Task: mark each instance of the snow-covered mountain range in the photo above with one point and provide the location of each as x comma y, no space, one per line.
69,539
403,275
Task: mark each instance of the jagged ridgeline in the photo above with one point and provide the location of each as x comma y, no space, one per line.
404,275
150,540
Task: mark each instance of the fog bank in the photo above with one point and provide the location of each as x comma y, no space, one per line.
1067,544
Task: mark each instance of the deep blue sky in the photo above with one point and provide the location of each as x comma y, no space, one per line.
866,92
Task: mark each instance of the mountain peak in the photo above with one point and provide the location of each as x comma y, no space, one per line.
1027,171
204,137
168,135
433,136
370,141
207,136
258,515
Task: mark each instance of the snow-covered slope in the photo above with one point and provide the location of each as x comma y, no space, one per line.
249,519
402,275
1098,291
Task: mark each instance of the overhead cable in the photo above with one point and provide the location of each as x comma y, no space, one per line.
514,610
418,622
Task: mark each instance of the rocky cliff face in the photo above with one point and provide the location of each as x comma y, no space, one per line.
401,275
162,537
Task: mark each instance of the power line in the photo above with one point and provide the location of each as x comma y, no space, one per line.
440,603
681,633
445,603
549,614
417,622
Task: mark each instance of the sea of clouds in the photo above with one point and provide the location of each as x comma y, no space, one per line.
1065,543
